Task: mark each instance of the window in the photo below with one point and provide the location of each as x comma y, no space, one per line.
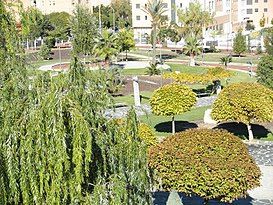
165,5
249,11
146,17
249,2
265,9
137,18
265,1
256,10
181,5
256,1
138,6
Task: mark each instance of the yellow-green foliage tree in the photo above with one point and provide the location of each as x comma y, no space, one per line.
171,100
146,134
213,164
244,102
212,74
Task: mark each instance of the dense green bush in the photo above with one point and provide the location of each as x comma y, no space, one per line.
265,71
244,102
171,100
45,52
152,69
146,134
213,164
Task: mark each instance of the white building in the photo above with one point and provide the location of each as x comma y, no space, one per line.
49,6
229,16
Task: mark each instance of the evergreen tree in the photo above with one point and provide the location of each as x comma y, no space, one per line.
32,21
56,146
84,30
239,43
268,41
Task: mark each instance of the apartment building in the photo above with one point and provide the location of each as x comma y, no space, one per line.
141,21
49,6
229,15
258,9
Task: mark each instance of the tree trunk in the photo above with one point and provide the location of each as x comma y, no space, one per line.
250,133
126,55
173,125
35,44
154,44
192,61
27,44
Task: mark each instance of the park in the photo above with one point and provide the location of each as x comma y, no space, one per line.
88,117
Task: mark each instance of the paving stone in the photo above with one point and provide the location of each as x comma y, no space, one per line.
146,109
262,152
160,198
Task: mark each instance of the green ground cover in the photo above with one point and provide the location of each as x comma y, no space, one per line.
209,57
162,124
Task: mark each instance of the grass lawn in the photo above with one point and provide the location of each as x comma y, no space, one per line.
129,99
162,124
134,71
215,57
37,64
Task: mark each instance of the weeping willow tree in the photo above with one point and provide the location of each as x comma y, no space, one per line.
56,146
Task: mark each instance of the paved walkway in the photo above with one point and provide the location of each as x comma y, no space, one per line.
146,109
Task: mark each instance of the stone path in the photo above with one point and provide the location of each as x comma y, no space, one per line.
262,153
146,109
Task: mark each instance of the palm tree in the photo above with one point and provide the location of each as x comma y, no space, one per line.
192,48
226,60
155,9
106,46
194,19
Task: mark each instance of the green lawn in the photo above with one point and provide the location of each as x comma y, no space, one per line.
37,64
210,57
162,124
134,71
129,99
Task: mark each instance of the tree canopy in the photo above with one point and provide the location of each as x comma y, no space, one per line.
56,146
171,100
60,23
155,9
239,44
268,40
32,21
212,74
244,102
84,30
213,164
194,19
125,40
265,71
107,45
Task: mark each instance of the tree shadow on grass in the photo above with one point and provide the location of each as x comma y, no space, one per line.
179,126
240,129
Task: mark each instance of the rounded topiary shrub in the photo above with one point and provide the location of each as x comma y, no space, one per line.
146,134
244,102
213,164
171,100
